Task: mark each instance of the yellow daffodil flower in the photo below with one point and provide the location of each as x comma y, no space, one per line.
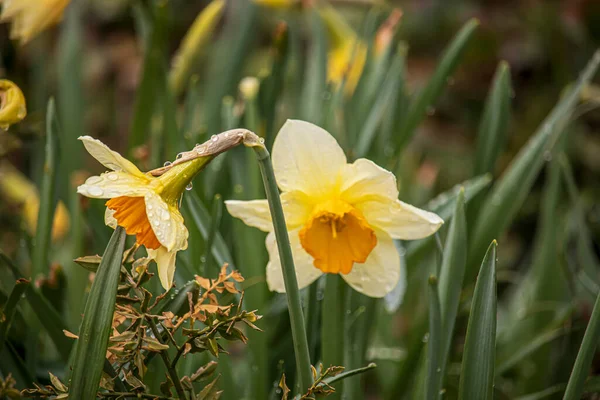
147,204
341,218
16,188
347,54
12,104
277,3
30,17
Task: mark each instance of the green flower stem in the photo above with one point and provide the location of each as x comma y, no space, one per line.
289,272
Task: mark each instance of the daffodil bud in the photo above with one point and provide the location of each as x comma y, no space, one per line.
30,17
12,104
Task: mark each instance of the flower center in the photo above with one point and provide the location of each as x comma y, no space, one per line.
337,235
130,213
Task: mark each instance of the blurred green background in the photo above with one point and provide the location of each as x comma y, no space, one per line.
109,65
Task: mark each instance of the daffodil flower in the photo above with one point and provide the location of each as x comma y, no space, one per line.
147,205
341,218
30,17
12,104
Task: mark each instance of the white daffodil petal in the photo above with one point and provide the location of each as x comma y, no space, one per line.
165,262
113,184
254,213
400,220
379,275
306,272
363,180
109,218
306,158
167,223
110,159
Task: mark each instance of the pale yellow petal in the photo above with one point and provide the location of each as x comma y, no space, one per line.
109,218
256,213
306,272
400,220
307,158
379,275
165,263
167,223
110,159
363,180
114,184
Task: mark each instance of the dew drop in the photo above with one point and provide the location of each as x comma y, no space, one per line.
92,180
201,149
426,338
149,206
548,156
96,191
261,140
156,222
226,134
150,215
167,163
189,186
179,156
164,215
214,138
113,176
238,188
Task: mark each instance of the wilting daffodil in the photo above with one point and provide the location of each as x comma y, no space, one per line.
12,104
30,17
147,204
341,218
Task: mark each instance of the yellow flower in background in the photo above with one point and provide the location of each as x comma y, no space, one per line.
16,188
347,53
277,3
30,17
341,218
12,104
146,206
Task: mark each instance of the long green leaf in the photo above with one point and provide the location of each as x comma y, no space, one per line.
47,194
493,128
477,375
452,275
333,329
8,311
509,194
585,356
427,97
316,72
90,351
434,342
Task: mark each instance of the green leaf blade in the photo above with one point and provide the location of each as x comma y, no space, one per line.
477,375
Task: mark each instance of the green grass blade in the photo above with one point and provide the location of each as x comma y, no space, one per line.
201,218
49,318
316,71
333,329
47,195
90,351
585,356
509,194
434,342
217,212
493,128
451,276
427,97
10,307
477,375
381,104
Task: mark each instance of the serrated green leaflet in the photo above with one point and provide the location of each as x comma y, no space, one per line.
477,372
90,351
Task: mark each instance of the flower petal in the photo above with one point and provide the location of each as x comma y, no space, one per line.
109,218
167,223
114,184
306,158
363,180
306,272
379,275
110,159
165,262
400,220
256,213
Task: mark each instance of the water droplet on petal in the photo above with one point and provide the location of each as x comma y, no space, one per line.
214,138
92,180
189,186
96,191
201,149
113,176
149,206
156,222
261,140
164,214
167,163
